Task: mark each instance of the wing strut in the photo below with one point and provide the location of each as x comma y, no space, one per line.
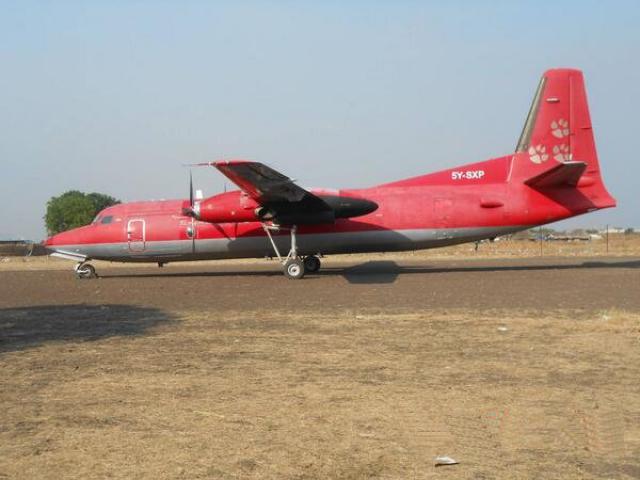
267,229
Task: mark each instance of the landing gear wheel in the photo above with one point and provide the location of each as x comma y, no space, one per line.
294,268
311,263
86,270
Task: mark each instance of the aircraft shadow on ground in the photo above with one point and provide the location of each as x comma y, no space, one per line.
387,271
26,327
373,272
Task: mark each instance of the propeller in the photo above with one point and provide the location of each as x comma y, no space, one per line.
189,210
190,188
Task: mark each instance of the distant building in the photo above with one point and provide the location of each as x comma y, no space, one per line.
15,246
612,230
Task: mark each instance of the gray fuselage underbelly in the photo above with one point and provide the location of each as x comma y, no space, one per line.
308,244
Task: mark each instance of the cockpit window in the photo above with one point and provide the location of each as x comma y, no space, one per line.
106,220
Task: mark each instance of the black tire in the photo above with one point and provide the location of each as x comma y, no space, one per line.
86,271
312,264
294,269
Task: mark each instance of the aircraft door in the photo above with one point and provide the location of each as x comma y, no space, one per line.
442,212
136,233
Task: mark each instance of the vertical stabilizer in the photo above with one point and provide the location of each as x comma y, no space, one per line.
558,131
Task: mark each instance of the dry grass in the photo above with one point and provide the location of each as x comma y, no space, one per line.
353,395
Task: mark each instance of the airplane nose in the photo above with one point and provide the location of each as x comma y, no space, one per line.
62,238
69,239
49,242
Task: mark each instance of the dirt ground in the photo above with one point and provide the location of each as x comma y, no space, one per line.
516,368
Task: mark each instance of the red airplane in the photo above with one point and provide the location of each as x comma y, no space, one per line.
552,175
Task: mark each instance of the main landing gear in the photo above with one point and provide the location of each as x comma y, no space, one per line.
312,263
85,271
295,266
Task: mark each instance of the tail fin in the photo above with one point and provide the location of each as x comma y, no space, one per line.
558,131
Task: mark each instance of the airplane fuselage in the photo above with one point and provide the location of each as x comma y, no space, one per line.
409,217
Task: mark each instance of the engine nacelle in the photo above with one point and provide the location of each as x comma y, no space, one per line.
237,207
227,208
349,207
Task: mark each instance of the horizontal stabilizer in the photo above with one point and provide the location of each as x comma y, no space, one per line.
567,174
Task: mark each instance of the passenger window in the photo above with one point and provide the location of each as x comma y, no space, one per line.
107,219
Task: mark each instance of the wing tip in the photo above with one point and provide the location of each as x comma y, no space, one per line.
235,161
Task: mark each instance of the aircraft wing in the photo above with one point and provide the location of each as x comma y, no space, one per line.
271,188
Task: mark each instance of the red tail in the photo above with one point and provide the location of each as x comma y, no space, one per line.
558,131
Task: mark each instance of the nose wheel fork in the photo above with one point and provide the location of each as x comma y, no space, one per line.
294,265
85,271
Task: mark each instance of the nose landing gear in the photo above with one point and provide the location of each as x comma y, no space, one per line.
85,271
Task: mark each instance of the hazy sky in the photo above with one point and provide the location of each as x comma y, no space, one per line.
114,96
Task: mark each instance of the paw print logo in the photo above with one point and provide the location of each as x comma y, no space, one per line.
561,153
538,154
560,128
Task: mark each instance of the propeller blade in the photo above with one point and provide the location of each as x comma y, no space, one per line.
191,188
189,210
